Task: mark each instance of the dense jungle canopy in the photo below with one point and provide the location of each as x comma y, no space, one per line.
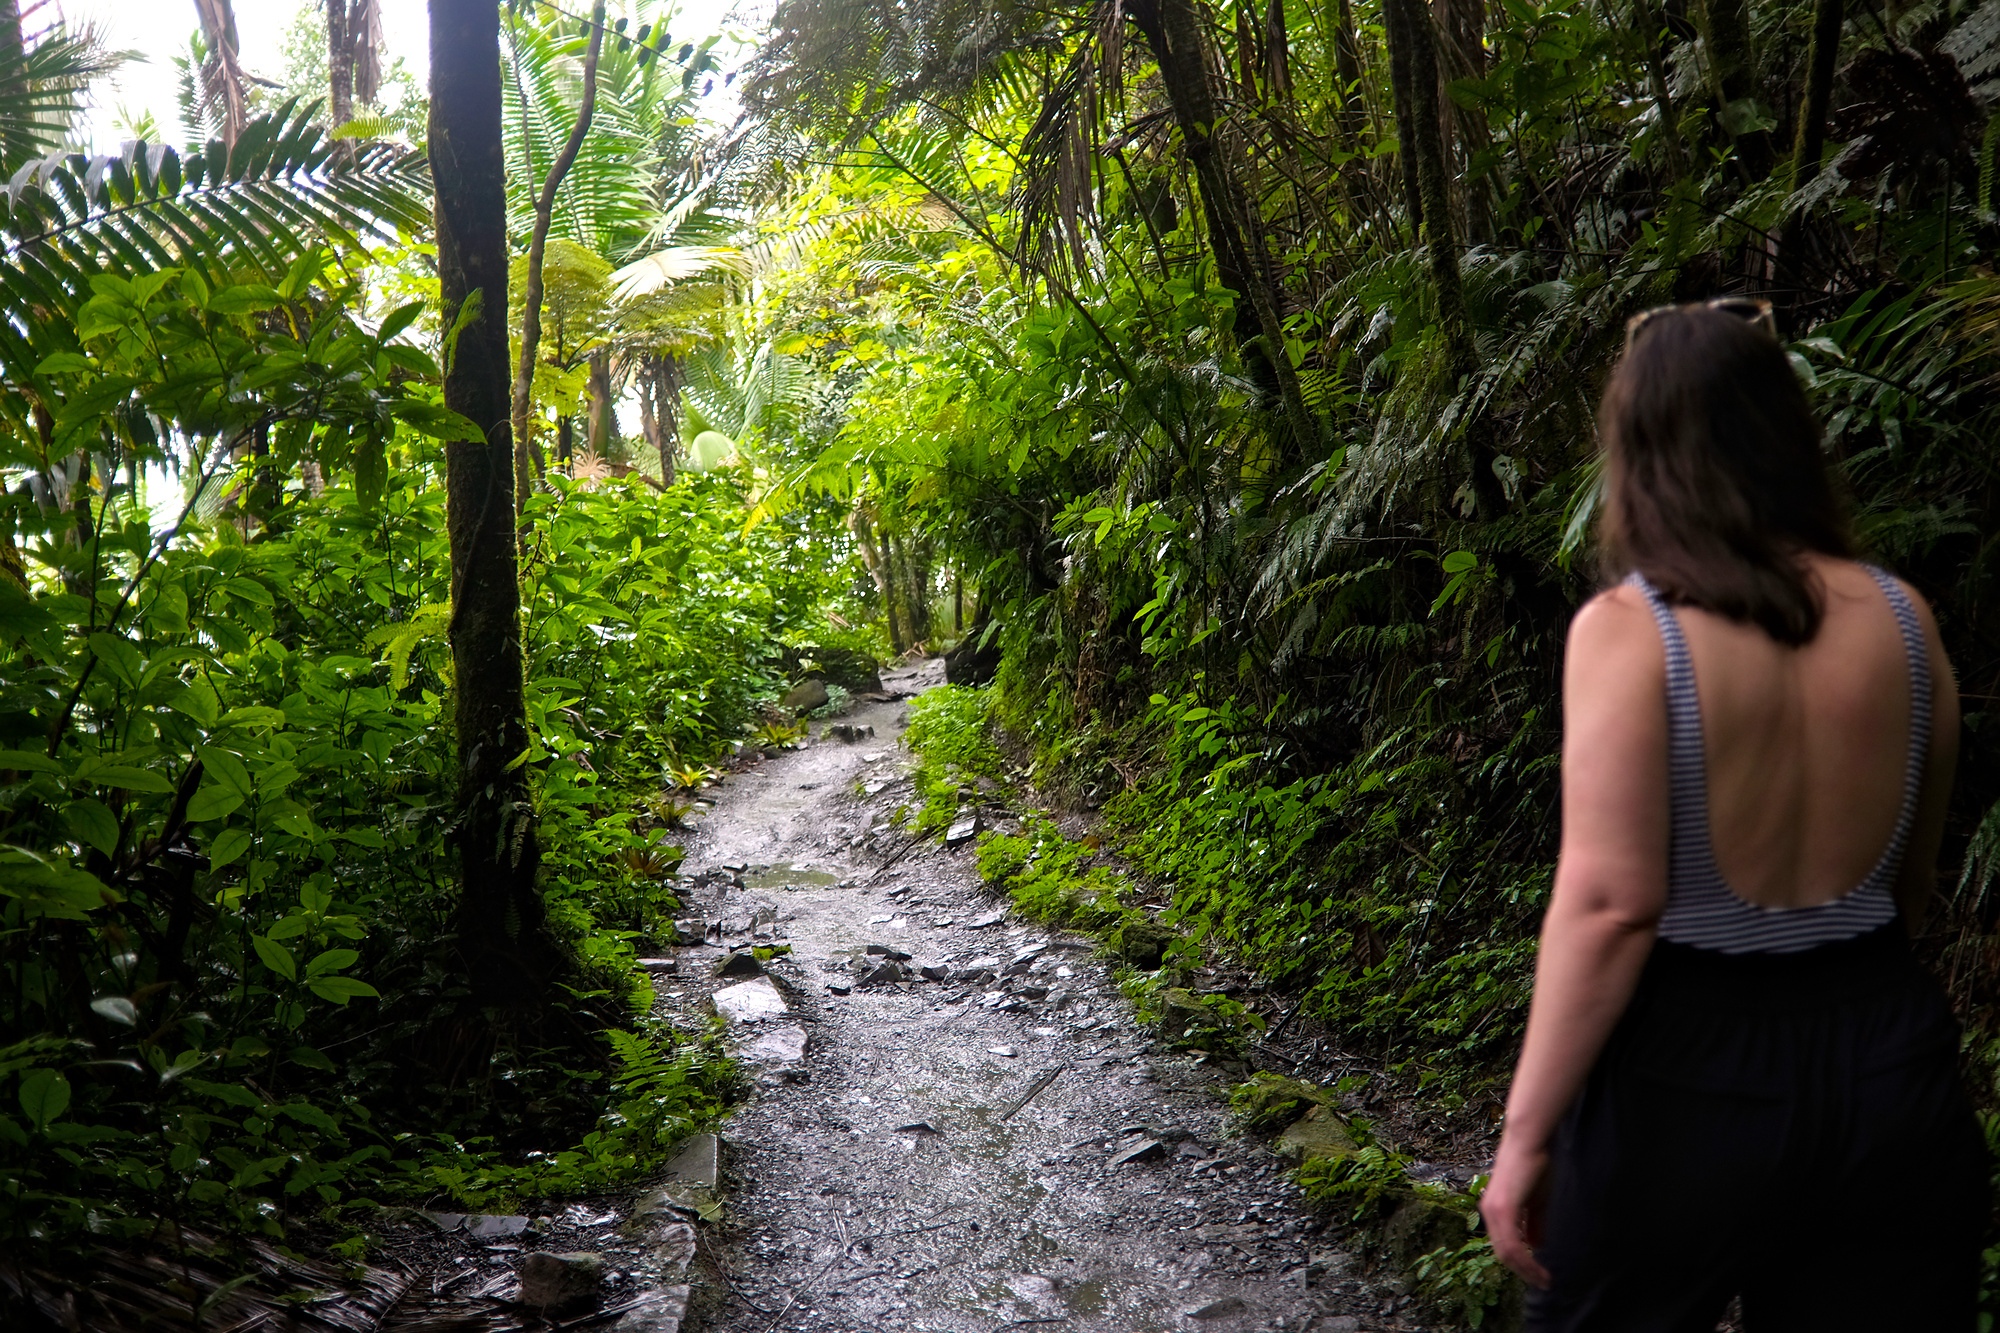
411,495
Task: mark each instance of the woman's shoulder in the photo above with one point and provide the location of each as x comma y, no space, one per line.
1620,609
1849,583
1616,628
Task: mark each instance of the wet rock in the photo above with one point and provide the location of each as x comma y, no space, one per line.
749,1001
805,696
887,972
973,660
661,966
1008,1051
698,1161
1339,1323
888,951
777,1046
1146,1150
741,963
919,1128
1228,1307
663,1311
1421,1225
839,988
1329,1265
990,919
1142,943
963,830
848,733
481,1226
1034,1289
1319,1133
1181,1013
560,1284
933,971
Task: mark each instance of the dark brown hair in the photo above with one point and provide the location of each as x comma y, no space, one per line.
1714,483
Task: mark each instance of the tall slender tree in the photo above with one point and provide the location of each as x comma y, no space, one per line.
506,950
545,203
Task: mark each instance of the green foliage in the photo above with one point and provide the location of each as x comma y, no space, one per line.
227,822
1052,879
1267,1102
1355,1184
1466,1283
951,730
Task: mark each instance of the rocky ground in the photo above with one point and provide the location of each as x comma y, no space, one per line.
959,1125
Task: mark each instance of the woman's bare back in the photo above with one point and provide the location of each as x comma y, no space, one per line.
1806,747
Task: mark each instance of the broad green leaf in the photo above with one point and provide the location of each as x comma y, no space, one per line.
92,823
124,777
44,1096
231,1094
254,715
198,701
342,989
289,927
276,957
244,300
27,761
250,591
311,1059
331,961
228,845
308,1114
118,657
228,769
213,801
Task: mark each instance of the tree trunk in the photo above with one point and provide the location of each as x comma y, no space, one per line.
545,203
221,75
565,442
659,408
339,65
1461,28
601,424
1820,58
1401,81
1409,23
1172,29
1732,77
506,951
877,560
1659,51
1347,68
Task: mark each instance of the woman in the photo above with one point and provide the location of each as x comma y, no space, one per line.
1736,1079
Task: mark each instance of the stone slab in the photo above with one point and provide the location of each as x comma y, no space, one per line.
749,1002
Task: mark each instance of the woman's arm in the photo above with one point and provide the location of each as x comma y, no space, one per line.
1916,880
1610,888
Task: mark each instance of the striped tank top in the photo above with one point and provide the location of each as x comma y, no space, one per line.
1702,910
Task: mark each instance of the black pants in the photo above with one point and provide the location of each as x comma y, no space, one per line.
1790,1129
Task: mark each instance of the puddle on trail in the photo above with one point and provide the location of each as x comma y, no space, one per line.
787,876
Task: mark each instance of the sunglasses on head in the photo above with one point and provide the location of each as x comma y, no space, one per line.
1747,309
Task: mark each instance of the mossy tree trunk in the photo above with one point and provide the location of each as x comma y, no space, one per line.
507,954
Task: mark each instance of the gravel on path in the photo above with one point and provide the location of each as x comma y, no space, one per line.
963,1150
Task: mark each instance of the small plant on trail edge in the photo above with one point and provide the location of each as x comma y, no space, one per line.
1355,1184
687,777
779,734
838,701
1047,877
951,731
1466,1283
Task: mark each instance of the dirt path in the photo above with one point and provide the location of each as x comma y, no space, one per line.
959,1154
